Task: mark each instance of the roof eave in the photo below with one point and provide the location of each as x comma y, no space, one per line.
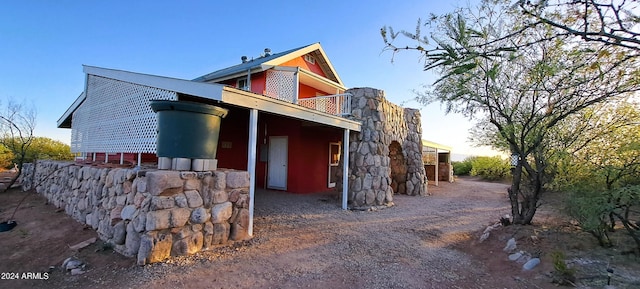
300,52
65,120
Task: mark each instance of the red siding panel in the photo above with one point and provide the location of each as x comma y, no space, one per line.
299,61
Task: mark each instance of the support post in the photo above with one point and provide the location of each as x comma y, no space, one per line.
139,159
251,164
345,168
121,158
437,166
296,84
106,157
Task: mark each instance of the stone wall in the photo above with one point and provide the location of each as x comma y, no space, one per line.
386,156
149,214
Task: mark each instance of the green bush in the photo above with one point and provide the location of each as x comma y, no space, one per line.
41,148
490,168
463,168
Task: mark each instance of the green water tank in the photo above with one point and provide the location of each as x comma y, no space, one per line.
187,129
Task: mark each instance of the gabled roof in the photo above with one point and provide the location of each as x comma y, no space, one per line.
267,62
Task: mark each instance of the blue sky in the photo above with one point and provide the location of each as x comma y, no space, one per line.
43,45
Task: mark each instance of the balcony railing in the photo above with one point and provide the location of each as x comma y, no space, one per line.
337,104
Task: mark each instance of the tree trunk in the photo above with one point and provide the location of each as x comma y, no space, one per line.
19,172
514,193
524,204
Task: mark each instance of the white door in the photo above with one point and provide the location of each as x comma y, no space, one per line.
277,168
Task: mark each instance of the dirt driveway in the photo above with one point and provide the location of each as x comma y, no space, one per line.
301,241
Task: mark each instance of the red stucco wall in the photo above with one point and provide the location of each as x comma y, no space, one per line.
308,149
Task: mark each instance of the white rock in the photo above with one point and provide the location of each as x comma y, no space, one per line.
515,256
71,263
484,237
531,264
511,245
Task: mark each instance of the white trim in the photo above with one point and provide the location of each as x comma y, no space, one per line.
437,167
345,168
72,108
246,83
301,52
251,163
321,79
427,143
309,58
202,89
307,73
251,100
296,85
331,164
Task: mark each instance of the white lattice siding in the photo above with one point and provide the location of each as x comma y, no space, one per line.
281,85
116,117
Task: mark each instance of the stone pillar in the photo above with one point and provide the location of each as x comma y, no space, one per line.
412,147
369,164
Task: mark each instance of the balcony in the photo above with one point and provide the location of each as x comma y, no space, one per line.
283,83
337,104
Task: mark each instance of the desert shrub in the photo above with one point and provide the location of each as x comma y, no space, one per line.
590,208
463,168
490,168
6,158
562,274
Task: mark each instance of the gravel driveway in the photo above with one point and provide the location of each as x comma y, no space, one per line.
306,241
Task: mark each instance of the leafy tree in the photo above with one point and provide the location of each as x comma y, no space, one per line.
518,85
17,123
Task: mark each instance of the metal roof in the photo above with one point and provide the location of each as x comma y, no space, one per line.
427,143
267,62
243,67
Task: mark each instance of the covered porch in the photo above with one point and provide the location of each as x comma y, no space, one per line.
274,140
437,162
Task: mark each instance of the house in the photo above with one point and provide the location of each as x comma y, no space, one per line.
290,119
298,93
284,121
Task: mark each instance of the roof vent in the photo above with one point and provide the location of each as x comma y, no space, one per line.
244,59
267,52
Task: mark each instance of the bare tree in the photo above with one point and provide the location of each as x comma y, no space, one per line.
17,125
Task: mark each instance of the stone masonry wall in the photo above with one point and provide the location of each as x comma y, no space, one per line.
370,164
152,215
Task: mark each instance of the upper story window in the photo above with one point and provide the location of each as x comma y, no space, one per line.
242,83
309,58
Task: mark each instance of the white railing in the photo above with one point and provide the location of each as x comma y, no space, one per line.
337,104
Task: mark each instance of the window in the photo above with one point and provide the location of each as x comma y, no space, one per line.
334,161
242,83
309,58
